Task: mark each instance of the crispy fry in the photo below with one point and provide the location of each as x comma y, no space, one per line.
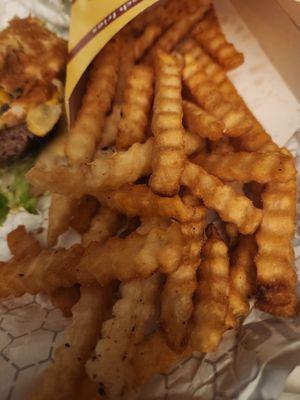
276,277
86,131
22,244
192,143
242,279
168,150
126,64
211,304
136,106
65,299
86,209
177,295
246,167
137,255
60,213
111,366
111,127
201,123
104,225
63,377
146,40
256,138
108,171
209,34
138,200
231,206
177,31
153,356
208,95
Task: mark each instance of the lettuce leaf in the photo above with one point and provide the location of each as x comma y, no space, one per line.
4,208
15,190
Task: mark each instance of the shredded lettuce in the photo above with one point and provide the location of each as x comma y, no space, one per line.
15,190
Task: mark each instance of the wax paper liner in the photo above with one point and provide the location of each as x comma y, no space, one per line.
252,362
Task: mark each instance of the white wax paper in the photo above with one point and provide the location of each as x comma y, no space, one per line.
253,362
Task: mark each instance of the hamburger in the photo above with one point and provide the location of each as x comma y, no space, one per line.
32,68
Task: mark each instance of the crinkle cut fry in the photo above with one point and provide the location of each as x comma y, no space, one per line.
208,95
246,167
177,295
201,123
171,37
256,138
106,172
65,299
136,106
22,244
242,279
209,34
231,206
146,40
211,303
276,276
137,255
62,378
86,130
111,365
153,356
105,224
139,200
168,148
60,213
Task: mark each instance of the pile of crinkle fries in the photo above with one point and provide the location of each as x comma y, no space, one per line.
185,205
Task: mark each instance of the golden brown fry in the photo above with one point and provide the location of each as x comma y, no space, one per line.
246,167
209,34
108,171
111,366
192,143
146,40
208,95
86,209
139,200
153,356
168,149
201,123
104,225
136,106
177,31
211,304
111,126
276,277
22,244
126,64
256,138
139,254
62,378
65,299
231,206
60,213
177,295
86,131
242,279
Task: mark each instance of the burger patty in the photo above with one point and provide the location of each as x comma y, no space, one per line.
13,141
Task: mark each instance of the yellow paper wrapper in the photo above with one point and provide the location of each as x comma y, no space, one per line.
93,23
